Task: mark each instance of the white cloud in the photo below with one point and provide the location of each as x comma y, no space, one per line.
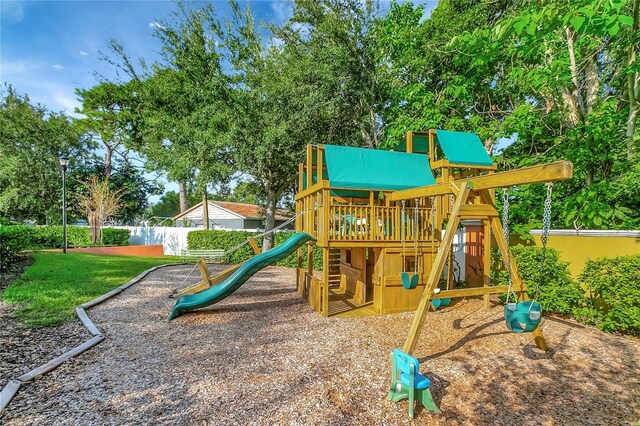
12,11
57,67
83,53
282,9
9,67
68,103
156,25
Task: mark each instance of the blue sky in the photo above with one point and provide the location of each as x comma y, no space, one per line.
50,48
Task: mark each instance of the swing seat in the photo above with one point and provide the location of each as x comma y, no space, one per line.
436,303
522,317
409,283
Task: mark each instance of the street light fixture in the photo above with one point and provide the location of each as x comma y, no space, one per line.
63,163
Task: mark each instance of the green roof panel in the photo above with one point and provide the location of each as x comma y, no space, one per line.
463,148
373,169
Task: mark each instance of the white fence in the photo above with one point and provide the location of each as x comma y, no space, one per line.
173,239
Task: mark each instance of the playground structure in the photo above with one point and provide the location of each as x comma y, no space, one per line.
380,216
385,222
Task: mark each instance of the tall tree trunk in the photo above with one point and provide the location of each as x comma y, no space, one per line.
184,201
205,209
270,218
633,84
107,160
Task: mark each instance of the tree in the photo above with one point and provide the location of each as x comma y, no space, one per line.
100,202
31,141
180,107
105,117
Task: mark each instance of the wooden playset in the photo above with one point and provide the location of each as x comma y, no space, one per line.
385,223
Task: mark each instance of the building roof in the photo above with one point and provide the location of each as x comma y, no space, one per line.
374,169
242,210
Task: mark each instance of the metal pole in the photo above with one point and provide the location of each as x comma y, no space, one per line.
64,209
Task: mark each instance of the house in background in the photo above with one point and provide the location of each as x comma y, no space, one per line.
227,215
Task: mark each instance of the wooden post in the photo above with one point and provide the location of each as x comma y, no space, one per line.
486,260
254,245
204,271
432,146
436,270
325,281
309,166
408,145
319,163
373,223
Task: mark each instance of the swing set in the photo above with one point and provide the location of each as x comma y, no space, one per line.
408,205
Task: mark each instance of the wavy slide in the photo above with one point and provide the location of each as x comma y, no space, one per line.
239,277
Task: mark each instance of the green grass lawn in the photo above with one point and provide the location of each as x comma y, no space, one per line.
56,283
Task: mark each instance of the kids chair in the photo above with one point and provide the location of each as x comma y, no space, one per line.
407,382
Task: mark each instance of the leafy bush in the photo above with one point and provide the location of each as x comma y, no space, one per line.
614,287
115,237
12,242
45,237
225,240
558,291
50,236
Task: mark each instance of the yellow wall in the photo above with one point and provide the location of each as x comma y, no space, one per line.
576,249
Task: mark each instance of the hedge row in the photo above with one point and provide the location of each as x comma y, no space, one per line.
225,240
614,294
15,238
607,294
11,243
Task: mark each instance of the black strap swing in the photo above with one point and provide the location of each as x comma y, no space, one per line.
525,316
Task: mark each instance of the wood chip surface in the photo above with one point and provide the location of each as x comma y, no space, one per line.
263,357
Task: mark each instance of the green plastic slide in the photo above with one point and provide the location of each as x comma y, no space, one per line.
239,277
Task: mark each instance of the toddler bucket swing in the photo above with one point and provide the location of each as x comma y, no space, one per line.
525,316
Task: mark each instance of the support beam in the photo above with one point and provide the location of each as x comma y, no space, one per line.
254,245
436,270
551,172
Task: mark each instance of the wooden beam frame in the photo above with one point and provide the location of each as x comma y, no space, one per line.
436,270
551,172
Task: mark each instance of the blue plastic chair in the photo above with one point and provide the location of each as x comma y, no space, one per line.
408,383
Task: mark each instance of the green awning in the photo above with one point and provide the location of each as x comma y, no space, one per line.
463,148
373,169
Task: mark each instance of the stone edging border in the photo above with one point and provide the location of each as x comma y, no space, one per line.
11,389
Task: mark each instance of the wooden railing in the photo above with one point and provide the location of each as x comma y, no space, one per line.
377,223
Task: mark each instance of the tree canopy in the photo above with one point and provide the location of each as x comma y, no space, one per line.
234,99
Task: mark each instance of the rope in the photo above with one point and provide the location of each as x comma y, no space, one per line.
415,237
402,231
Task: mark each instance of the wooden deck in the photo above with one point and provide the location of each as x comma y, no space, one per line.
342,305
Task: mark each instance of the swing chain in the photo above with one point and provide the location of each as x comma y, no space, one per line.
546,226
505,233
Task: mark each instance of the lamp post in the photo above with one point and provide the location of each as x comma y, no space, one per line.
63,163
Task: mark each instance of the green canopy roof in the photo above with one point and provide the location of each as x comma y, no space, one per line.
458,147
373,169
463,148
